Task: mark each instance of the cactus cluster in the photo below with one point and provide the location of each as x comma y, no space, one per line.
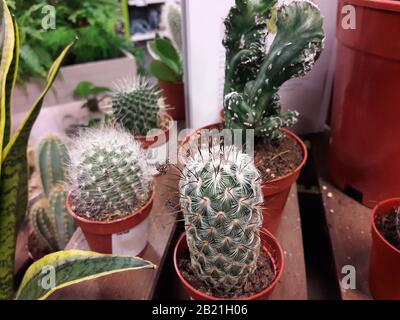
221,200
50,220
49,217
109,175
253,75
136,105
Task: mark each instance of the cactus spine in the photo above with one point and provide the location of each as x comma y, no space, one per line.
253,76
174,19
50,220
136,105
221,200
52,160
109,174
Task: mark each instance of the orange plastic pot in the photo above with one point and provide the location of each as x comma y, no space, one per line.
270,246
384,275
174,94
364,156
101,235
275,191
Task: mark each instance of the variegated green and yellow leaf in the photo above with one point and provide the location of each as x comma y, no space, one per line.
71,267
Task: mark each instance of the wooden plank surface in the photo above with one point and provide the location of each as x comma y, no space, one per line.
135,285
349,225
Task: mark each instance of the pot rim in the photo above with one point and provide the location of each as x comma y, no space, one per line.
389,5
286,131
375,213
165,130
94,222
264,232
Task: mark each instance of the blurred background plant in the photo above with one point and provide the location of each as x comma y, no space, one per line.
97,23
92,94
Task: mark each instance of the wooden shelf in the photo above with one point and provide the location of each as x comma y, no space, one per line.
147,36
349,225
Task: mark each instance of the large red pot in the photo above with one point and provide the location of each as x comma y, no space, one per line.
127,236
365,114
275,191
270,246
384,275
174,94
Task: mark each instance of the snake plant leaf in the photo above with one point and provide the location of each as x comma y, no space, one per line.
14,172
71,267
6,65
164,73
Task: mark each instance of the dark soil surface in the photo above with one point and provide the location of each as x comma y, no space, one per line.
389,227
277,159
258,281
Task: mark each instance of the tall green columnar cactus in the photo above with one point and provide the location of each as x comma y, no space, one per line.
174,19
51,222
53,158
221,200
109,174
136,105
254,75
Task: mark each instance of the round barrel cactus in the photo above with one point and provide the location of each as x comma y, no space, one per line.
136,105
221,200
109,174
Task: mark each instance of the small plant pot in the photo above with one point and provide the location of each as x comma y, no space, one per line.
384,276
270,246
157,145
125,236
275,191
174,94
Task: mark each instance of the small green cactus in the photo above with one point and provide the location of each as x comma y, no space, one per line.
51,222
109,174
136,105
253,76
221,200
52,160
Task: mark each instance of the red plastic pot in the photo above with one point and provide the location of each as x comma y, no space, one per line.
275,191
102,236
156,140
270,246
174,94
384,275
364,155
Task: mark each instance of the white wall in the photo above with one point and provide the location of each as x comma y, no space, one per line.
205,60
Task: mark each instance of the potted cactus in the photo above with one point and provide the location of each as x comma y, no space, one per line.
167,66
253,76
52,226
111,191
384,278
225,253
137,106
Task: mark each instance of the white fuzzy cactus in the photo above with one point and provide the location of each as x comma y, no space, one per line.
109,173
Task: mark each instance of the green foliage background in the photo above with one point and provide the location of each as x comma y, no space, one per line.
94,22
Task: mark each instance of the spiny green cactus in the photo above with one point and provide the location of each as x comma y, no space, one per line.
50,220
253,76
174,19
136,105
221,200
109,174
52,160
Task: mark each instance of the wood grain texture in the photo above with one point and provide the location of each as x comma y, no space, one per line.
349,225
131,285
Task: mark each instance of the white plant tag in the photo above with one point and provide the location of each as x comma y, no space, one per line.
131,242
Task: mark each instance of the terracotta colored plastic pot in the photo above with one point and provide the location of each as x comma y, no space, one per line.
125,236
174,94
365,117
157,145
275,191
384,275
270,246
